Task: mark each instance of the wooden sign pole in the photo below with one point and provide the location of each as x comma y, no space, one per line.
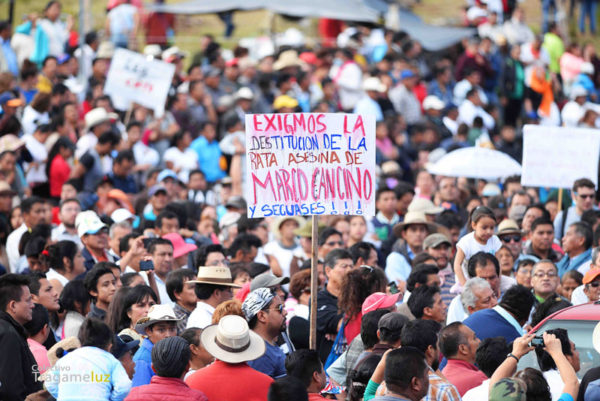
314,282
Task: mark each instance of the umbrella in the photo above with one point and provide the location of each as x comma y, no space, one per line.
476,162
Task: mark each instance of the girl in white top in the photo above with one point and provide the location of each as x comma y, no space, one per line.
482,222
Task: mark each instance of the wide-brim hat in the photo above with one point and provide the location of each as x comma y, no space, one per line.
106,50
96,116
276,226
424,205
215,275
180,247
232,341
414,218
156,314
6,189
305,230
10,142
68,344
288,58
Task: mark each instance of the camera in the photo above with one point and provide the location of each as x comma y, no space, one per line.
537,341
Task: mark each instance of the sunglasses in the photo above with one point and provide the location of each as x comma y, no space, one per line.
333,243
595,284
279,308
589,196
509,238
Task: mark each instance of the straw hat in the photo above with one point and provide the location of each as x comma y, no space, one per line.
508,226
424,205
215,275
6,189
305,230
10,142
105,50
288,58
276,225
232,341
156,314
414,218
68,344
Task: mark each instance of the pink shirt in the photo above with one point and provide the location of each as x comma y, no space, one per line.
463,375
40,353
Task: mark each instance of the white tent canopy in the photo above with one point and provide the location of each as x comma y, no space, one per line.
431,37
476,162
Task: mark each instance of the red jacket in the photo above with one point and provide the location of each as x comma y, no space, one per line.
165,388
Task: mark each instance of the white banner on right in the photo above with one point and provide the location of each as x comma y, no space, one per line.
555,157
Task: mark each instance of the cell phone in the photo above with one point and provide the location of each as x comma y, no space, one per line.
393,288
537,341
146,265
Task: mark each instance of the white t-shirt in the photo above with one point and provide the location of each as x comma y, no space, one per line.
479,393
469,245
145,155
54,275
283,256
578,297
39,153
186,160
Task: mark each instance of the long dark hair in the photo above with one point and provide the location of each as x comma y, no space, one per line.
56,252
74,292
62,142
125,297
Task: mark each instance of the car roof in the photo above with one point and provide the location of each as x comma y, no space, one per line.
589,311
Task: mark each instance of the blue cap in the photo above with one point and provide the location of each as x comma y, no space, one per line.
63,58
166,173
407,74
7,96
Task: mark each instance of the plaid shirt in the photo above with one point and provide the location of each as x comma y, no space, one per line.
439,389
183,314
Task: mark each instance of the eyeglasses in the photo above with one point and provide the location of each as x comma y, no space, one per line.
509,238
587,196
334,243
542,274
594,284
221,262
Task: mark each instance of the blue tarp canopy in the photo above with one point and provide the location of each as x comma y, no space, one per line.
431,37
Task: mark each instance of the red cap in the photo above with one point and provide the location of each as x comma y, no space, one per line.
232,63
379,300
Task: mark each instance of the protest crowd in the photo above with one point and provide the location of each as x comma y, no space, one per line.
130,269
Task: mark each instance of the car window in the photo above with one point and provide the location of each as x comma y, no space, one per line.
580,332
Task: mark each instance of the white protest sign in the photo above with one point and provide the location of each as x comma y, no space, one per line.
134,78
310,164
557,156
